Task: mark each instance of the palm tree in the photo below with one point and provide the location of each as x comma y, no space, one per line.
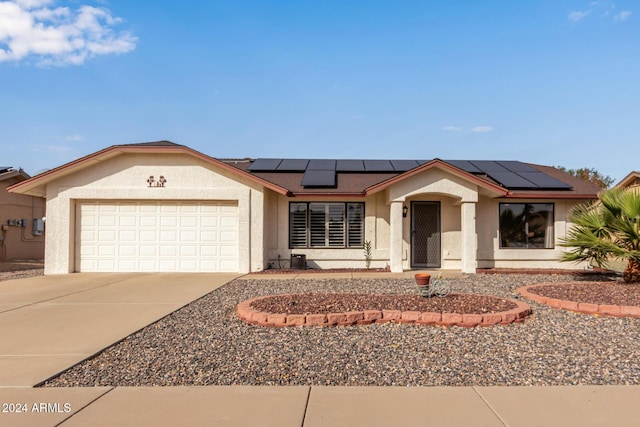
605,230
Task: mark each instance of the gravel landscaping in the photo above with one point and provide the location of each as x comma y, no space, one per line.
20,274
205,343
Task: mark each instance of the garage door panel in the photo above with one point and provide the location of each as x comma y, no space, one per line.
157,236
168,250
106,250
127,236
128,221
126,265
127,250
209,251
209,221
107,264
148,221
106,235
168,265
208,236
167,236
168,221
228,236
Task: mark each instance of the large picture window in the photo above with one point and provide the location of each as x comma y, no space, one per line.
526,225
326,225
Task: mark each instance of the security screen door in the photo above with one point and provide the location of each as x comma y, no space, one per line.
425,234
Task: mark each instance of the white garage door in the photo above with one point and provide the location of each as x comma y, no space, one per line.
156,236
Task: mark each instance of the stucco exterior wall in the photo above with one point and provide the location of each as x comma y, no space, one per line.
18,242
490,254
125,178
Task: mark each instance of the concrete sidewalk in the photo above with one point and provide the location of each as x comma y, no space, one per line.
49,323
325,406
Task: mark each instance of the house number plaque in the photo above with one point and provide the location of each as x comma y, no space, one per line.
159,183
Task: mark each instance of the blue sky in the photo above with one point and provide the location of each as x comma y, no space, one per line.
553,82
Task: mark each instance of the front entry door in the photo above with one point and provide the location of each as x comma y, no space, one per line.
425,234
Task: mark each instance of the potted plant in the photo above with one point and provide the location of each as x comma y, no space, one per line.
422,279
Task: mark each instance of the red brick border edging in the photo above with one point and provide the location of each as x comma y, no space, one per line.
579,307
366,317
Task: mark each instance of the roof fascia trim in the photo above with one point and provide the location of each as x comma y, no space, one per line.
555,196
116,150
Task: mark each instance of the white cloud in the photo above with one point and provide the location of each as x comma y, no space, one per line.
622,16
604,9
75,138
452,128
578,15
480,129
30,4
57,35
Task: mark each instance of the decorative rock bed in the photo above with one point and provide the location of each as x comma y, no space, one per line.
581,297
300,310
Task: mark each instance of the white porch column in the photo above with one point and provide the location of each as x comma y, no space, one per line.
395,237
469,237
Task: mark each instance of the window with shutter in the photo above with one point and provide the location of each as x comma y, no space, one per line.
326,225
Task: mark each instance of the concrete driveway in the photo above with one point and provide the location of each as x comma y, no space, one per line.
49,323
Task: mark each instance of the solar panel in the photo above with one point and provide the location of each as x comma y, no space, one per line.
322,165
515,166
404,165
542,180
319,178
512,180
293,165
487,166
465,165
378,166
350,166
265,165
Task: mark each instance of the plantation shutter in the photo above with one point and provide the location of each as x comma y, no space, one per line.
355,224
298,225
335,225
317,224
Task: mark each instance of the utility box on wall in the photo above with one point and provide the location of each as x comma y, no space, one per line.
38,227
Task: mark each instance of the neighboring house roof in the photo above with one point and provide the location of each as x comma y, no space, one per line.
631,180
337,177
7,172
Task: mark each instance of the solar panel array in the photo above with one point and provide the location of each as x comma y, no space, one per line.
513,175
302,165
322,172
